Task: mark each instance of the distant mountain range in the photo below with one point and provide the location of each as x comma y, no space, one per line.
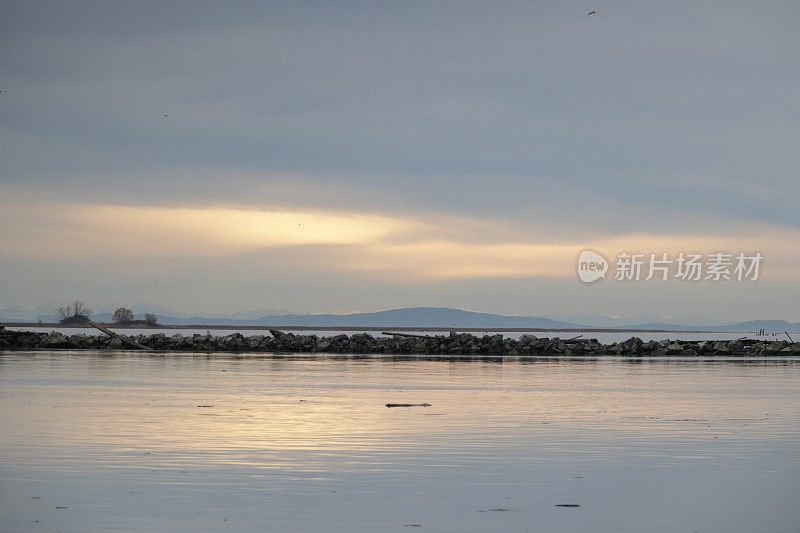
429,317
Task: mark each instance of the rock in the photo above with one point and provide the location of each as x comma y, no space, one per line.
674,349
455,344
633,343
774,347
78,339
735,346
255,342
55,339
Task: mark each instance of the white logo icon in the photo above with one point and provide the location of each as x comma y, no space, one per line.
591,266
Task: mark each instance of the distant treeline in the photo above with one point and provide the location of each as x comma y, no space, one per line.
77,312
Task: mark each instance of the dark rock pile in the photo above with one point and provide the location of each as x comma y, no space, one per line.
462,344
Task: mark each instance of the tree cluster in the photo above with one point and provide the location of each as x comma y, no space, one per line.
124,316
74,312
77,312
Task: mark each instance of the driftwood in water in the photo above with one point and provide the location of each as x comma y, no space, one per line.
122,338
407,335
408,405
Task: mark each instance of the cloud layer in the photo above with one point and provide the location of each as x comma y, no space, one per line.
430,151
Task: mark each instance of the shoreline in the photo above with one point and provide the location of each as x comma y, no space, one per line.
454,344
212,327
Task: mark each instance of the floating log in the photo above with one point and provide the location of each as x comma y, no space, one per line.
408,405
407,335
122,338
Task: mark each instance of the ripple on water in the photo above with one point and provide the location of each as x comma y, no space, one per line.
134,442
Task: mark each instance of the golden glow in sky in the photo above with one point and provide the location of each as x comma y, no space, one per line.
371,245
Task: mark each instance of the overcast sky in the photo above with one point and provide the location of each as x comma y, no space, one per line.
341,156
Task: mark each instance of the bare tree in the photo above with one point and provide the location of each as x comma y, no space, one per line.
151,319
80,309
123,315
77,311
64,312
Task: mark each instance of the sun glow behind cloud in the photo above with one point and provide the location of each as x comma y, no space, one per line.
74,230
360,244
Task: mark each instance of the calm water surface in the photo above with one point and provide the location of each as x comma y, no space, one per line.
132,442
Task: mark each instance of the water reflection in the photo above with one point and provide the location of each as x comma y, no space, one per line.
182,442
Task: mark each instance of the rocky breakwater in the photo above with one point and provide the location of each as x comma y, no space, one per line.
455,344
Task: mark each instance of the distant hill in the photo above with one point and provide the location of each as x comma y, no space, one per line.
612,321
431,317
23,314
411,317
